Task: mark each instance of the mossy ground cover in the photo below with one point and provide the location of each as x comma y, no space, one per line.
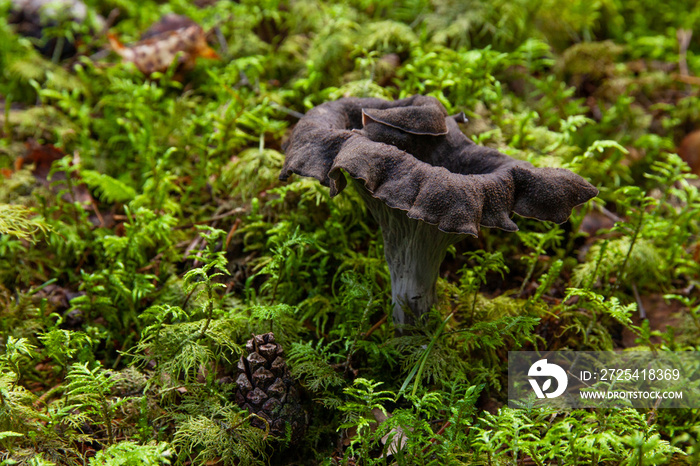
145,235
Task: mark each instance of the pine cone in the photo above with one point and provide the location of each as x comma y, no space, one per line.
266,388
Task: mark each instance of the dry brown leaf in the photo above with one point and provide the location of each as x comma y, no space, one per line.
42,156
397,441
173,36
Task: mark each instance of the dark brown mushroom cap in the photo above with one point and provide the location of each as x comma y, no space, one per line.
409,160
425,120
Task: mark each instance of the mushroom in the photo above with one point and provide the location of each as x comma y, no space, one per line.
427,185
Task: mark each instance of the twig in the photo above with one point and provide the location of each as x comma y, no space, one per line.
42,398
232,231
608,214
694,80
375,327
318,331
97,212
187,298
684,36
193,245
252,415
109,22
237,210
623,268
151,263
654,410
286,110
437,434
101,55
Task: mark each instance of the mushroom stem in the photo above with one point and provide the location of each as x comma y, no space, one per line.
414,251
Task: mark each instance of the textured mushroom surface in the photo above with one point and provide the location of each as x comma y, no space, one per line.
425,183
433,172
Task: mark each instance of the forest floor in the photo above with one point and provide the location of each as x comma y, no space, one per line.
145,236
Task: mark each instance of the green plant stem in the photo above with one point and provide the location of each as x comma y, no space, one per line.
60,43
274,290
623,268
473,313
599,260
640,462
530,269
428,350
7,125
357,336
210,309
108,420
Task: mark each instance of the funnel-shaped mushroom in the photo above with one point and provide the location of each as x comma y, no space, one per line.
425,182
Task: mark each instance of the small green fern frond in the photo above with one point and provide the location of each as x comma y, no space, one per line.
128,453
312,365
108,189
225,437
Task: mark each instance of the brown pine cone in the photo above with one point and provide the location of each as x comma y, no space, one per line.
266,388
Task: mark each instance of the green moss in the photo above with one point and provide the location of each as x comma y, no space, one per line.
121,321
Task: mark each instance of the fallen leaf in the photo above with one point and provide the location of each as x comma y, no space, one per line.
396,440
58,296
42,156
173,36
